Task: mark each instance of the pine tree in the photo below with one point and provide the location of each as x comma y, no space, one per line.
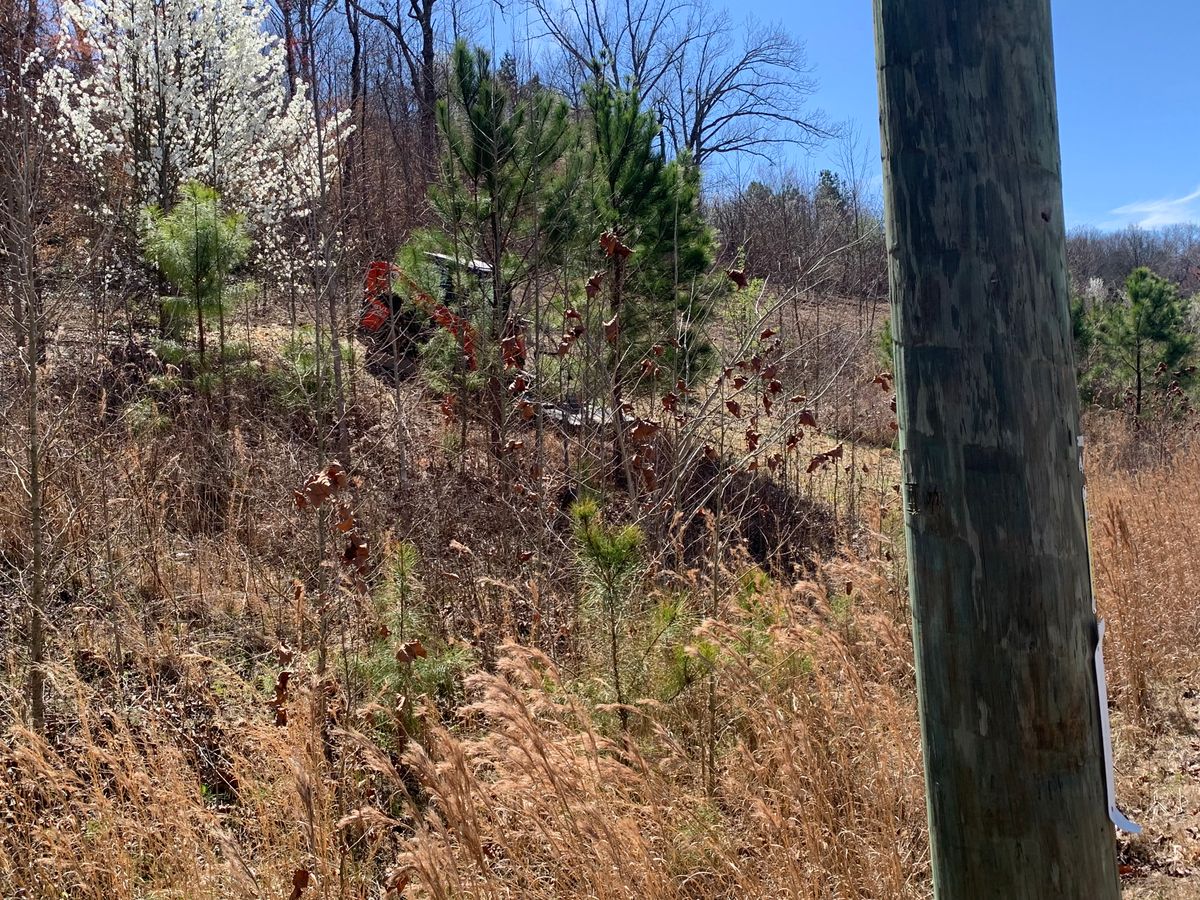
196,246
1143,339
651,206
508,175
505,197
831,192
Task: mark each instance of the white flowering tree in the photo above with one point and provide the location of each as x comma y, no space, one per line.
174,91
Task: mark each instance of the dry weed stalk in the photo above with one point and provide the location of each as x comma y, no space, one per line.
1146,549
818,793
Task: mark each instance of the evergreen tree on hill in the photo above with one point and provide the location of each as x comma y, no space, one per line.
652,206
1143,339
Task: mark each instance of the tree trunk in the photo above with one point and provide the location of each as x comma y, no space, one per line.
37,586
327,283
1137,401
427,90
21,155
289,46
355,147
616,397
1003,621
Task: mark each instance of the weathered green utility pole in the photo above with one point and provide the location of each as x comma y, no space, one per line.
989,422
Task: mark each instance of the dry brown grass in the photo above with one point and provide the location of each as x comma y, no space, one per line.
818,788
1144,499
1146,546
787,766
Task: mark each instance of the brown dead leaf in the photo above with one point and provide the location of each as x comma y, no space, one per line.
649,478
284,654
410,651
612,245
823,459
612,329
320,486
356,555
397,881
644,430
300,879
593,284
279,702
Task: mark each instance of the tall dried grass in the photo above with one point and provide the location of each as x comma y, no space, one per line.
787,765
818,790
1145,527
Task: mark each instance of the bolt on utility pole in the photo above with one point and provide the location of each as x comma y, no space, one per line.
1003,620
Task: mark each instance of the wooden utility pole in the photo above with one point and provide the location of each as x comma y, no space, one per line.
1003,620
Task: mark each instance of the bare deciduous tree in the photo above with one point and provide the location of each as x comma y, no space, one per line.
1172,251
729,95
411,25
717,85
21,171
635,42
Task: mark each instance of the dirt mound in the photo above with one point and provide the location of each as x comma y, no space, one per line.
781,530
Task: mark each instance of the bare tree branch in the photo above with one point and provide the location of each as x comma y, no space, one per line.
718,86
727,96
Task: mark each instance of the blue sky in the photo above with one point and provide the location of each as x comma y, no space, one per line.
1128,89
1128,98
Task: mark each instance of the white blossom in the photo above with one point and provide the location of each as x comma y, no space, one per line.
181,90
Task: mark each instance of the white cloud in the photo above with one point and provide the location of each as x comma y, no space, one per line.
1168,211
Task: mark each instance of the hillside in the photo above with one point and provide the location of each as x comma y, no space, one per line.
436,473
237,706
